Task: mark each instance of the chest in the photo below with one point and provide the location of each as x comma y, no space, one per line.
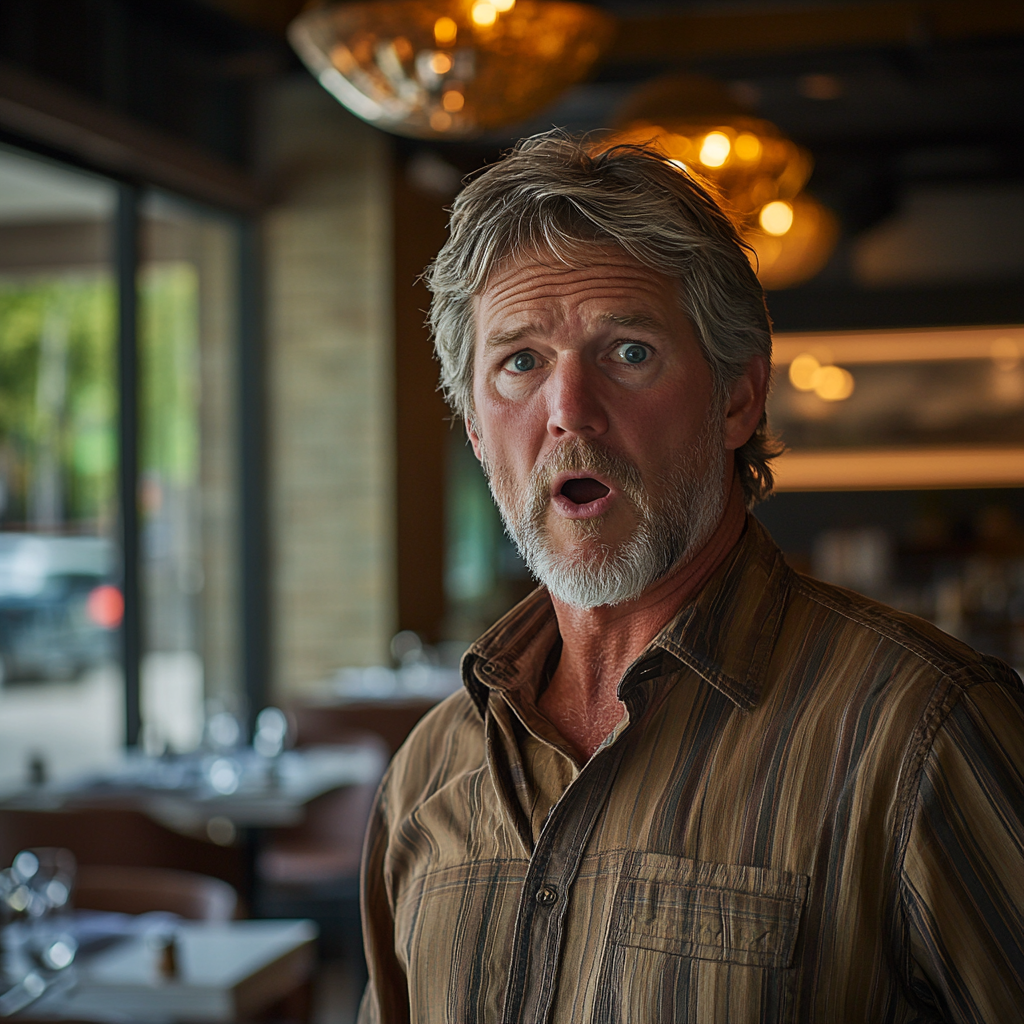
702,849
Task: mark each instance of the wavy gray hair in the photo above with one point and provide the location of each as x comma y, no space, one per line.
554,193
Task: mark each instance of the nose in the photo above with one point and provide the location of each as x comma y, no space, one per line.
574,400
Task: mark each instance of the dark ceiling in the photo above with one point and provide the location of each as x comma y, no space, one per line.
886,95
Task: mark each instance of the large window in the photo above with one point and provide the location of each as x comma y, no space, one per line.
118,341
61,701
187,481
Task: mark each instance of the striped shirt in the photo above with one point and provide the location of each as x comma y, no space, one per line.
811,811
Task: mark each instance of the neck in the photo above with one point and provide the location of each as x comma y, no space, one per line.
599,644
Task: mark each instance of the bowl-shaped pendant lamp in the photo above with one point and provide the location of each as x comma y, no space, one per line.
449,68
792,241
750,162
757,172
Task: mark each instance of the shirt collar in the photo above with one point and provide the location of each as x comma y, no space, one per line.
725,634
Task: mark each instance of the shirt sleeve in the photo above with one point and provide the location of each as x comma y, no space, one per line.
963,873
386,999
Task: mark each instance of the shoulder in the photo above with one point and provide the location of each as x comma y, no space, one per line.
846,622
894,679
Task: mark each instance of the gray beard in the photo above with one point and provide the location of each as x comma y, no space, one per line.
669,531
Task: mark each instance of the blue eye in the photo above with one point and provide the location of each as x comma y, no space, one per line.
634,353
523,361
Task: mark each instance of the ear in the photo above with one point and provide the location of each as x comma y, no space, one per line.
474,437
747,397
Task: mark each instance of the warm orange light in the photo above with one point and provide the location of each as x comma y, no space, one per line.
802,372
105,606
1006,354
829,383
776,218
440,63
484,13
715,149
748,147
898,469
699,125
833,384
342,59
856,348
453,100
445,31
440,121
509,59
788,259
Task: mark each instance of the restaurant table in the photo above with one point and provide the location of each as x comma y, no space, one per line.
182,792
225,972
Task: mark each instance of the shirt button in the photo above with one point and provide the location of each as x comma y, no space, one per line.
547,895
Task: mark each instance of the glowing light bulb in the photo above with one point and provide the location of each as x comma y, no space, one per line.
833,383
440,63
445,31
803,371
503,6
484,13
748,147
776,218
715,150
453,100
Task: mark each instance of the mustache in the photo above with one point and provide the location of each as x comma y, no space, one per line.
584,457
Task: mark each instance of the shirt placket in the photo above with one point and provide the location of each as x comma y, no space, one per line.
547,889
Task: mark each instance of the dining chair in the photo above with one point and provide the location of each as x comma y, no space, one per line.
312,870
391,720
117,836
138,890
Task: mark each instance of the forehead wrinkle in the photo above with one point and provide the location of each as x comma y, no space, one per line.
513,288
640,320
503,295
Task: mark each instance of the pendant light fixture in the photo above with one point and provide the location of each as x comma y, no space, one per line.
449,68
757,172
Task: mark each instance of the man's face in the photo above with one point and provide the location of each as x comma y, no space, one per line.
597,422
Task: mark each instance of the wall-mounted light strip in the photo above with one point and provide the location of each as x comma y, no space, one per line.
903,468
899,469
925,345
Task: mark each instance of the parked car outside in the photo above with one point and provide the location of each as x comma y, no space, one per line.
59,607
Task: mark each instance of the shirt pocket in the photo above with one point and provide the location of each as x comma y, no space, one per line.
722,912
693,941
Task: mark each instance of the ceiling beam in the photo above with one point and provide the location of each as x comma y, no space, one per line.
50,116
741,32
737,33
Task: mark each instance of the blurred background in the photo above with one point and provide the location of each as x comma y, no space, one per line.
227,479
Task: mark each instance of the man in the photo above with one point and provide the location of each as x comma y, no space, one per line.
683,783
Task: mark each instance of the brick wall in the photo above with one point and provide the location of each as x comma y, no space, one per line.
330,385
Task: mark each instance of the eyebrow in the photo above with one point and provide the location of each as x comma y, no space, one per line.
509,337
516,334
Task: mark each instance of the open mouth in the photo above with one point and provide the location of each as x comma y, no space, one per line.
583,490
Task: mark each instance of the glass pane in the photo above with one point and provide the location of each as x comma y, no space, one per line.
484,573
187,324
62,699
